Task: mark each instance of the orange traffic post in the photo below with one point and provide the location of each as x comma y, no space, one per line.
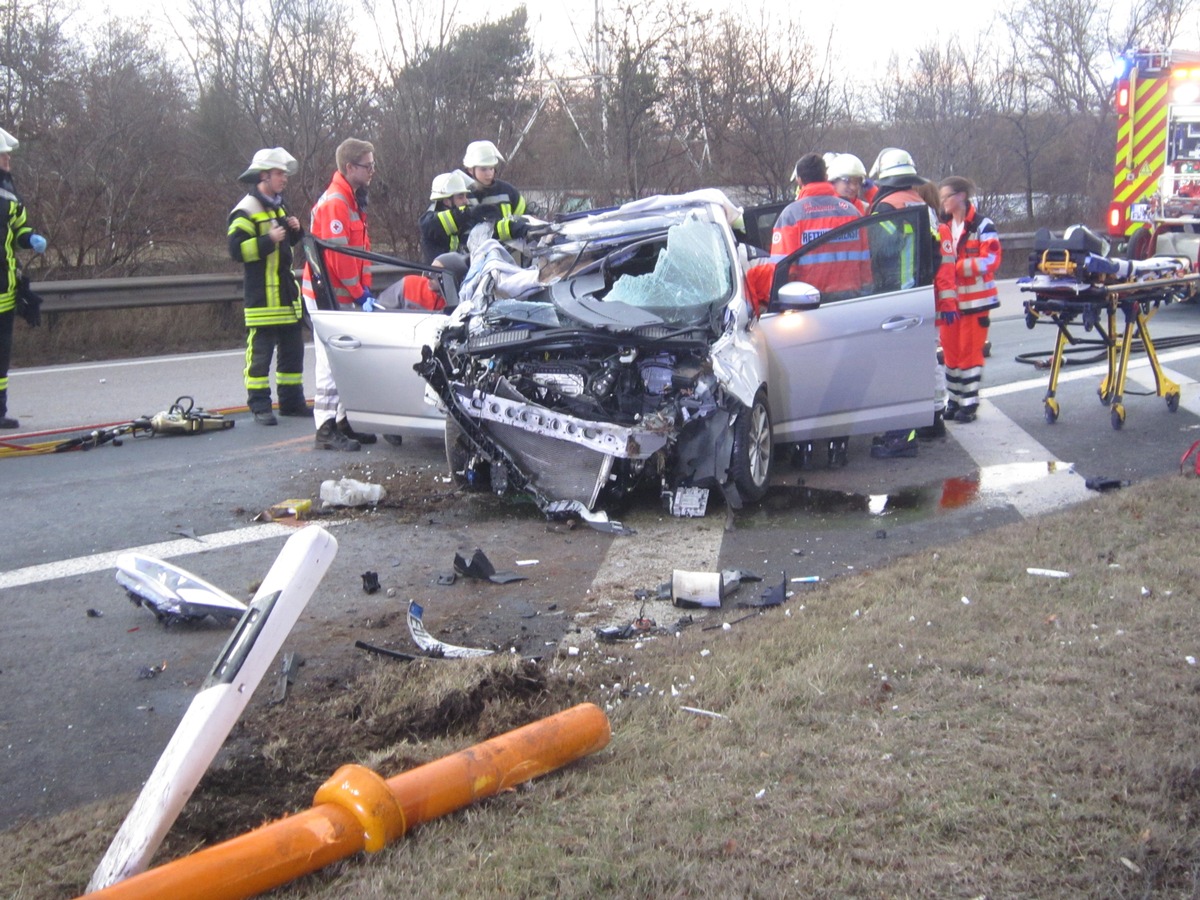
357,810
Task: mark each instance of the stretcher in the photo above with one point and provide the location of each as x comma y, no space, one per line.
1073,280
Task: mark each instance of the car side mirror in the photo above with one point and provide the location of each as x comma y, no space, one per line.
796,295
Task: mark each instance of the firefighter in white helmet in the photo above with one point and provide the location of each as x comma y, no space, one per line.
450,216
846,173
499,201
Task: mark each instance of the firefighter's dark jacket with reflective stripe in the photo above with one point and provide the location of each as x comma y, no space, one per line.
499,202
444,228
16,234
271,294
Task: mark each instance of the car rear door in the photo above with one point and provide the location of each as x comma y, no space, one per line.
372,354
862,362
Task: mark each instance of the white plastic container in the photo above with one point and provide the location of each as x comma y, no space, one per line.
349,492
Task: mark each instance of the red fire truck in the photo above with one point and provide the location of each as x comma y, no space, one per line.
1156,185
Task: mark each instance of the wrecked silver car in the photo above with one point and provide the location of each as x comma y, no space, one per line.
625,351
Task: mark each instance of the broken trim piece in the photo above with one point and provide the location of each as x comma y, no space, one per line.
431,645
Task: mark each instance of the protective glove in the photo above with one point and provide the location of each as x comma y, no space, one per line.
368,301
37,243
518,226
29,304
949,317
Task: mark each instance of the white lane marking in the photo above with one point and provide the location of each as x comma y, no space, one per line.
98,562
1015,467
1189,396
1097,372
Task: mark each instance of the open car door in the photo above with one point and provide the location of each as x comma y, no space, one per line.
854,358
372,354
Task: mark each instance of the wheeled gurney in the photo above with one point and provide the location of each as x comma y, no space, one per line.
1072,279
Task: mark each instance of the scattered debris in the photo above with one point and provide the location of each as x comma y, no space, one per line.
370,581
431,645
1105,484
481,567
690,590
806,579
173,594
95,614
384,651
152,671
296,508
703,712
187,533
772,595
351,492
638,628
287,676
447,577
1049,573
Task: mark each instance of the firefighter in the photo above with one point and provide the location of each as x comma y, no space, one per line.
17,233
847,174
261,237
450,216
340,217
498,200
842,267
963,320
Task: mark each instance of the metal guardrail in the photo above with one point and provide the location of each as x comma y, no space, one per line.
180,290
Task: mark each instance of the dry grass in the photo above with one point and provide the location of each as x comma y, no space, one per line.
884,738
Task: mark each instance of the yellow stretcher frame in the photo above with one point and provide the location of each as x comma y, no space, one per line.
1137,302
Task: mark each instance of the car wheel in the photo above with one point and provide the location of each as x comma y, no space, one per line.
395,440
753,444
1140,244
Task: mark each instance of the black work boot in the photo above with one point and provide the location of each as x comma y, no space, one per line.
936,430
265,417
6,422
343,425
329,438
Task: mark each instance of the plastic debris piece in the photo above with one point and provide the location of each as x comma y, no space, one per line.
447,578
481,567
771,595
1049,573
287,676
294,508
173,594
704,712
95,614
692,590
370,582
527,562
561,509
806,579
431,645
1105,484
351,492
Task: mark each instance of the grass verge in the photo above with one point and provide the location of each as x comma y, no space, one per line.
946,726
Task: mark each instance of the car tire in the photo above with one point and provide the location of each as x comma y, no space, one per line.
395,440
1140,245
753,448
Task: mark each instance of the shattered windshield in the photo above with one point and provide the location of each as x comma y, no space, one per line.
690,270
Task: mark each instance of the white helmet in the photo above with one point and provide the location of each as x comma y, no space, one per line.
267,159
448,184
482,153
892,162
845,165
8,143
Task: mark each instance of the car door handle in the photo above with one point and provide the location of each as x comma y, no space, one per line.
900,323
345,342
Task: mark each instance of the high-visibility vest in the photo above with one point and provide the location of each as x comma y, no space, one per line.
843,265
271,296
16,234
507,198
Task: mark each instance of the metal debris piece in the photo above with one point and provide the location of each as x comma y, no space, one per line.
481,567
287,676
561,509
370,582
431,645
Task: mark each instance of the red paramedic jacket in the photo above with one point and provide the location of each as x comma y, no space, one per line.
843,265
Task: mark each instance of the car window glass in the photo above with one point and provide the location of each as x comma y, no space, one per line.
691,270
887,252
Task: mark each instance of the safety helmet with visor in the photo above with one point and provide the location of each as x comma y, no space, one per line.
267,159
448,184
482,153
